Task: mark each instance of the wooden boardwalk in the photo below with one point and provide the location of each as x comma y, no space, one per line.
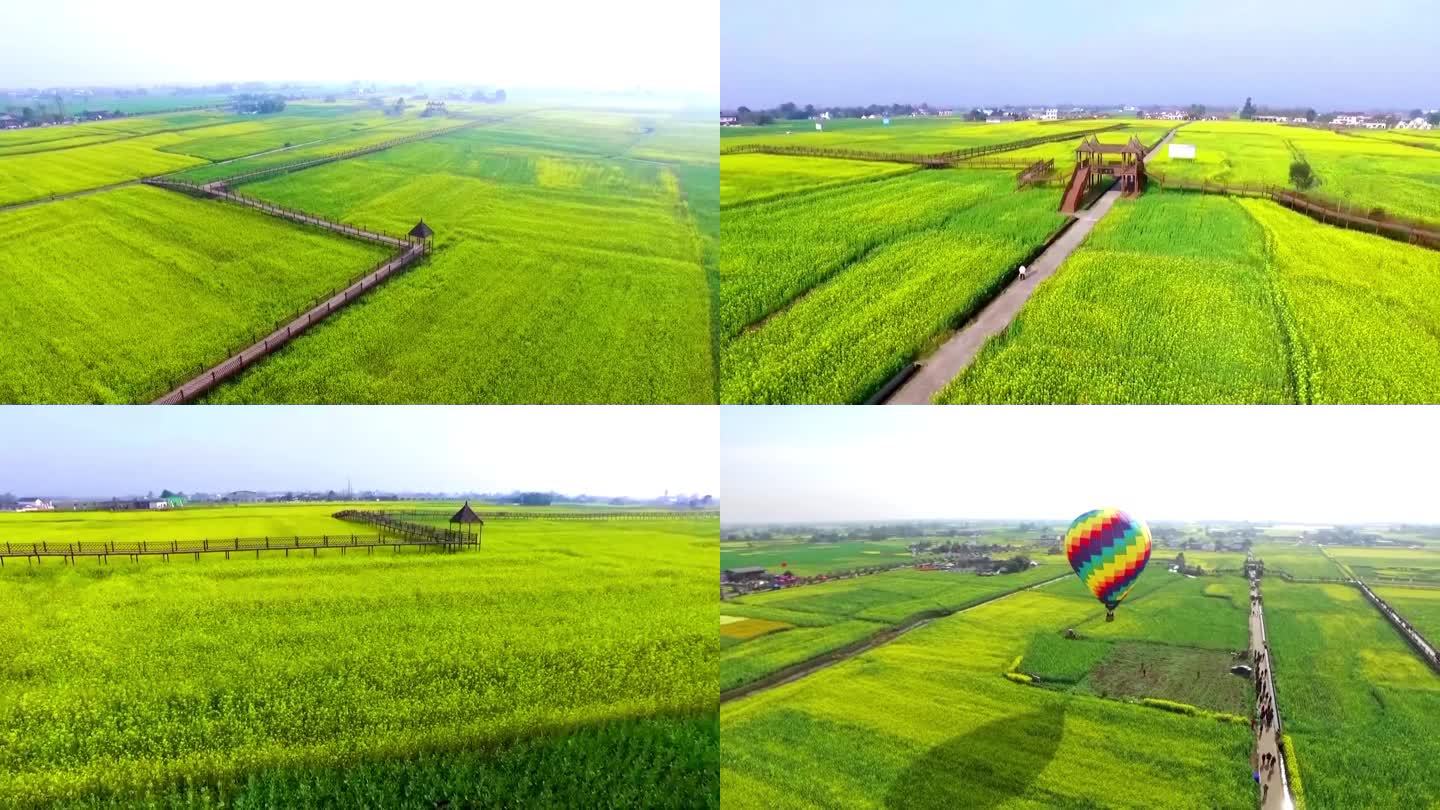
409,251
617,514
1269,757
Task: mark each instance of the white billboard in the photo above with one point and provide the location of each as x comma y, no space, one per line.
1182,151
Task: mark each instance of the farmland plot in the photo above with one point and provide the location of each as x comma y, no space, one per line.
37,175
113,297
1117,321
555,278
1294,311
848,334
1356,170
775,251
750,178
510,675
1358,703
922,721
914,136
831,615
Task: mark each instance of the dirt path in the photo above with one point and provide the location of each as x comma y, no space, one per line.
1274,783
795,672
956,354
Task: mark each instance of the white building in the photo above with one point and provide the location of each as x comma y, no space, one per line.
1375,125
1350,120
36,505
1414,123
1050,114
1274,119
729,120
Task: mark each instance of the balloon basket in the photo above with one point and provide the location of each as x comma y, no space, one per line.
1109,615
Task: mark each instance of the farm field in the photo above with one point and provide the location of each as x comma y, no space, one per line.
1362,171
557,275
849,332
1288,318
568,663
1303,562
1357,703
115,296
1378,565
752,178
923,720
1419,606
41,139
807,559
823,617
912,136
1173,640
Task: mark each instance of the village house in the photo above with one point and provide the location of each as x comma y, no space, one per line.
1415,123
34,505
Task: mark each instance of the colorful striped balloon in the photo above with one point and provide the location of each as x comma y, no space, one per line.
1108,549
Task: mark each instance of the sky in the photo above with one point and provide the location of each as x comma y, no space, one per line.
1321,53
91,451
1305,465
653,44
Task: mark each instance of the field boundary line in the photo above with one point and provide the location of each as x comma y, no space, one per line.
934,160
795,672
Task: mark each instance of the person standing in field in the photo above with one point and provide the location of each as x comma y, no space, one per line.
1022,272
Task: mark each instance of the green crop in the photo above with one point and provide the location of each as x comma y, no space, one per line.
1288,317
843,338
555,278
1357,701
117,296
751,178
922,720
565,663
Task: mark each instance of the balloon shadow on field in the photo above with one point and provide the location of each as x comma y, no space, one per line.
983,768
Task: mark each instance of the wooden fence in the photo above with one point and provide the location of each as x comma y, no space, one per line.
936,160
1322,209
617,514
102,550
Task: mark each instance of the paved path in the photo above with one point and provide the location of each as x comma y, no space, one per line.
885,636
1274,782
956,354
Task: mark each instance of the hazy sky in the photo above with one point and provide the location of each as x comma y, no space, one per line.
630,450
1305,52
654,44
1322,465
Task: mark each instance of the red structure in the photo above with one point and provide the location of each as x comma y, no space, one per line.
1091,165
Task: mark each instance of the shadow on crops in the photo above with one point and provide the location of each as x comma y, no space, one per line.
983,768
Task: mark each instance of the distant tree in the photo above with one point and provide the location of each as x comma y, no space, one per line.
742,111
1311,114
1416,113
1248,111
1301,176
1196,111
975,115
1015,564
1434,118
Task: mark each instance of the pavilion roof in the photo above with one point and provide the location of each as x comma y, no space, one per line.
466,515
421,230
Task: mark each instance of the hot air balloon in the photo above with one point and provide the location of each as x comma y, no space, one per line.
1108,549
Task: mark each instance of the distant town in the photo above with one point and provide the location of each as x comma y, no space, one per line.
1415,118
167,499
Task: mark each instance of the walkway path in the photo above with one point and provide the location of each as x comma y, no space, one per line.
1269,758
956,354
809,667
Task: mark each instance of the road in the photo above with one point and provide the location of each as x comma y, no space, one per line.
1274,782
957,353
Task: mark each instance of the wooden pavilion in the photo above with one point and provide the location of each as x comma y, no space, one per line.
422,233
463,523
1091,165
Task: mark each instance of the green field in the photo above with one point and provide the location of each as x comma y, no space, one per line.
557,276
1380,565
843,336
1364,172
829,615
1419,606
928,720
576,259
914,136
808,559
564,664
1288,316
1357,702
117,296
750,178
